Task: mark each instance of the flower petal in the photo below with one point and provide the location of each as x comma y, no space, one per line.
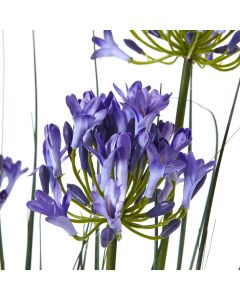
107,236
160,209
170,228
64,223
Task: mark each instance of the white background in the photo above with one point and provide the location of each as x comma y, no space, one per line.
64,67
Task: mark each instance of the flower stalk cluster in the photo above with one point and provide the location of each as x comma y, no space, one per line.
216,48
141,160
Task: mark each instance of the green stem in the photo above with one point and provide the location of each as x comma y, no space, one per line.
184,220
182,99
161,255
2,262
111,255
31,215
213,186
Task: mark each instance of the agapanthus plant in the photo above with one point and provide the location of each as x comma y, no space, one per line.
141,160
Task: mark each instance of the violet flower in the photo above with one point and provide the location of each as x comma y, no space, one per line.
170,228
53,144
110,207
11,171
55,211
86,114
194,176
108,47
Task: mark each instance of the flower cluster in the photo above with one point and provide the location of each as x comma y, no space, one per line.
204,47
131,162
11,171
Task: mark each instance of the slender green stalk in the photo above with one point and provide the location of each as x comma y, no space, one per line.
2,262
97,240
40,242
205,209
182,99
213,186
111,255
184,220
31,214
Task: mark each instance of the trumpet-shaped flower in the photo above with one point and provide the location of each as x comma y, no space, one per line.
11,171
108,47
110,207
86,115
194,176
53,144
54,209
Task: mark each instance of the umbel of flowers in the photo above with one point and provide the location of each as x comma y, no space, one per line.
216,48
126,162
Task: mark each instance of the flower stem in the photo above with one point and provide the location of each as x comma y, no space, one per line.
31,215
213,185
2,262
111,255
184,220
182,99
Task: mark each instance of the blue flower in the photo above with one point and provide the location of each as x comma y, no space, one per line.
170,228
195,174
110,207
162,163
53,145
11,171
108,47
142,104
55,211
86,114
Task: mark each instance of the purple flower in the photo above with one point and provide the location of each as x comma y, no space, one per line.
234,40
170,228
106,155
132,45
194,176
44,176
53,146
155,33
11,171
55,211
108,47
162,163
190,35
160,209
77,194
142,104
86,114
110,207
